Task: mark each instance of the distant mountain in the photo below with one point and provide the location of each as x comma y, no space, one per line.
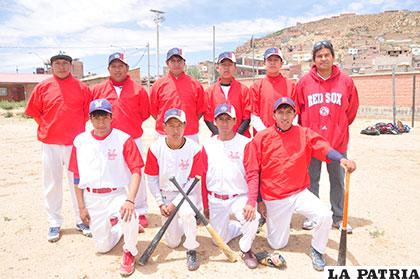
370,35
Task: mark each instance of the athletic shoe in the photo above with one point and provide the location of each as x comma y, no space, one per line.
308,224
338,225
318,261
249,259
143,221
192,261
84,229
53,234
261,223
127,264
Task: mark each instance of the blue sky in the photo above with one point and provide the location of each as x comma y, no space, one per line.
31,31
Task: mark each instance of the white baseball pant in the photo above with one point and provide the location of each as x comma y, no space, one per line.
220,211
102,208
279,215
141,197
183,223
55,157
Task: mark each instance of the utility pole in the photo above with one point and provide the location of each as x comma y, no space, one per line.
148,67
214,55
158,19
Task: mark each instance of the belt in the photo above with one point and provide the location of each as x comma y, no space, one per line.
222,197
101,190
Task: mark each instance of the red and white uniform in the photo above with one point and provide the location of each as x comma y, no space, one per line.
225,191
277,163
130,108
264,93
61,109
327,106
107,162
237,96
162,163
181,92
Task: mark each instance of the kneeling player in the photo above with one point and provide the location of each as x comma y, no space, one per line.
106,162
277,161
178,156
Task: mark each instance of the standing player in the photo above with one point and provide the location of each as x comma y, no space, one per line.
228,90
178,156
60,106
105,162
327,101
130,105
276,163
266,91
224,185
177,90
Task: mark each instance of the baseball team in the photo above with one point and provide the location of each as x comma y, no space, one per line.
245,181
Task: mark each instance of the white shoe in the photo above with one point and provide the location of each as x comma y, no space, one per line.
338,226
308,224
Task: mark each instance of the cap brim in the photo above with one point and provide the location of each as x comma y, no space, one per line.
106,110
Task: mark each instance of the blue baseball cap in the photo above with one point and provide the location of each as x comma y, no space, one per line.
175,113
100,104
273,51
224,108
117,56
282,101
175,51
226,55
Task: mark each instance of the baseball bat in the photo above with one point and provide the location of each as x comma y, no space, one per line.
341,261
155,241
216,237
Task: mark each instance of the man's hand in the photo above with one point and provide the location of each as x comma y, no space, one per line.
262,209
127,209
84,215
166,210
206,213
348,165
249,212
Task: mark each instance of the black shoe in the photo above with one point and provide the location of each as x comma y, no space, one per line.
192,261
318,261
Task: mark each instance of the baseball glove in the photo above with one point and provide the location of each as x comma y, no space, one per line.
271,259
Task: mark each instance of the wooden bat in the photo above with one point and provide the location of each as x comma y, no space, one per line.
155,241
341,261
216,237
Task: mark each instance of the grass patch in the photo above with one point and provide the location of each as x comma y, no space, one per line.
7,105
23,115
8,114
375,233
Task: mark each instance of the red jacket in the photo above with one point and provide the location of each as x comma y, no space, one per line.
265,92
183,93
130,109
327,106
238,97
61,108
277,162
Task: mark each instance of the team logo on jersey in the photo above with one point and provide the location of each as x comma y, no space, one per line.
324,111
234,155
184,164
327,98
112,154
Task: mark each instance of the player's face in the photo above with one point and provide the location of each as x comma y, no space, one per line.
324,59
61,68
284,117
174,129
176,65
118,70
224,123
273,65
101,123
226,69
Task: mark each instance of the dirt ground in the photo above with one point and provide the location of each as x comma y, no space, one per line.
384,212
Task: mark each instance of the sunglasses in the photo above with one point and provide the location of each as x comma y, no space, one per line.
322,44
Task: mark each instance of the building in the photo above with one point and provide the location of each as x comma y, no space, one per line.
18,87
